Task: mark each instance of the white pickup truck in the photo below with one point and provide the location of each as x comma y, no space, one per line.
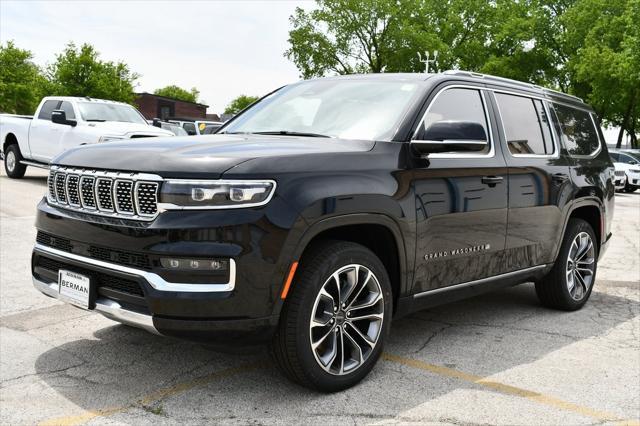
61,123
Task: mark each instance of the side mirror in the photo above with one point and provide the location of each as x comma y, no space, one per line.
58,116
157,123
451,136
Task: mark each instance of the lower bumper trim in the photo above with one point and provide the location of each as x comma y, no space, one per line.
107,307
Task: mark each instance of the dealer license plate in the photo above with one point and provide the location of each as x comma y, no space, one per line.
74,288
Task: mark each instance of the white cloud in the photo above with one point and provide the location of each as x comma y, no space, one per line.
224,48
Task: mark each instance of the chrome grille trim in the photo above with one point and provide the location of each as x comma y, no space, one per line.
132,196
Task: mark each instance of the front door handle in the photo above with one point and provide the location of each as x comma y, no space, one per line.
492,180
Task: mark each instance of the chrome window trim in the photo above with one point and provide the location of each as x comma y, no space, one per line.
556,148
492,149
169,206
155,280
594,153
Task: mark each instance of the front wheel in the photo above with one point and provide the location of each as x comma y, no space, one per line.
569,283
335,319
12,162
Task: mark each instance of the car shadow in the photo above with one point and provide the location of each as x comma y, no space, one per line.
484,335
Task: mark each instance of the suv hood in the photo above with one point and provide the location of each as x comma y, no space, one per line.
126,130
207,156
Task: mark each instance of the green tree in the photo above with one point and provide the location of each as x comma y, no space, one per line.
22,84
80,72
176,92
240,103
605,69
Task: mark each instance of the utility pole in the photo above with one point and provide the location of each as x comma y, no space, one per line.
428,61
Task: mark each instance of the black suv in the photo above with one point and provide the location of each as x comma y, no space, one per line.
327,209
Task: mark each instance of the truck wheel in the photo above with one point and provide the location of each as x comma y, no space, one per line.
630,188
12,165
568,285
335,319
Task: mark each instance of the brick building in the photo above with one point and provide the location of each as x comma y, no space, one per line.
154,106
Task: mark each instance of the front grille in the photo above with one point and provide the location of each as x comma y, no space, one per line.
119,257
619,172
115,194
101,279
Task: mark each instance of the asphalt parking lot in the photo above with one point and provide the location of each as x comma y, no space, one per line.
495,359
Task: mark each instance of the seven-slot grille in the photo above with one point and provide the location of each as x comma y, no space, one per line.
117,194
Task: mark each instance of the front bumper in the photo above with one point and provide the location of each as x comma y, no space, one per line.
240,307
236,332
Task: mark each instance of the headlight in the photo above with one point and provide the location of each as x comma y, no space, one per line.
110,138
215,194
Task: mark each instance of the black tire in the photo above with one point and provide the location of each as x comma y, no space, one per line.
630,188
291,345
553,290
12,165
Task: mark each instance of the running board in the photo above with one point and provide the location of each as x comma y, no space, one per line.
514,274
35,164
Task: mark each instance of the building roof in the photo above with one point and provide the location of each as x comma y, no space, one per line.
170,99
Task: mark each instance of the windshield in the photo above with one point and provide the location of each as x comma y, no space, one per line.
94,111
349,109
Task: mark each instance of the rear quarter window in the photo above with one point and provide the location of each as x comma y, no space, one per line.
578,130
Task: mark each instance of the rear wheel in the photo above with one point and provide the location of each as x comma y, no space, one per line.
569,284
12,165
336,317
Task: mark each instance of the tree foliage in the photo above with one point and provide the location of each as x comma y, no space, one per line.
240,103
21,82
176,92
80,72
586,47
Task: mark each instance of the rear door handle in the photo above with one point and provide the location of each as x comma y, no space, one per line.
492,180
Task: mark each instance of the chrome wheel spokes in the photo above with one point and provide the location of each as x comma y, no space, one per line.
11,161
580,266
346,319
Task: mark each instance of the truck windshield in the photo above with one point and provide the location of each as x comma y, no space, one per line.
349,109
94,111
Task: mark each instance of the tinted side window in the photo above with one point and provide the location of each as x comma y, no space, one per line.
190,128
456,105
68,109
614,156
47,109
525,124
578,132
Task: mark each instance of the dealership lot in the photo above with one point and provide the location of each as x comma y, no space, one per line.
499,358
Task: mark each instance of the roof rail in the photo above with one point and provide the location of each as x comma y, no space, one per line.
511,81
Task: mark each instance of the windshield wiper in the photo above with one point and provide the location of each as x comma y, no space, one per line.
290,133
95,119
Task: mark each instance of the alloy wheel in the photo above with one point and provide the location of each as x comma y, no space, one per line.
580,266
346,320
11,161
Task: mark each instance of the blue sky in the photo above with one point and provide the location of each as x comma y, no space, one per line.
224,48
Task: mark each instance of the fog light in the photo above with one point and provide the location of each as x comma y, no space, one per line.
194,264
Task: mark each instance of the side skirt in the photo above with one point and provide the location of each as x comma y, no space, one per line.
442,295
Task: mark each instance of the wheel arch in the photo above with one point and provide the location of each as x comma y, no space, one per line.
378,232
9,139
590,210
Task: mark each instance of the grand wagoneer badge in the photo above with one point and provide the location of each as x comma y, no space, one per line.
456,252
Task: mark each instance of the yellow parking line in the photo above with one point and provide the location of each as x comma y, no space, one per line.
154,396
510,390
